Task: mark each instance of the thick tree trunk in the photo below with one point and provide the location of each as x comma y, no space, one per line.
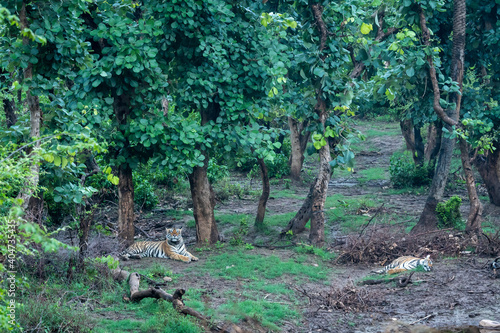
266,190
475,217
418,155
126,215
201,191
203,206
298,141
10,112
488,166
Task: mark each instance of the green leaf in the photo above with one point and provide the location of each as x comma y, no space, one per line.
57,160
410,71
366,28
317,145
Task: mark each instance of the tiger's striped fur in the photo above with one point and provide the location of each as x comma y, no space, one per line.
406,263
173,247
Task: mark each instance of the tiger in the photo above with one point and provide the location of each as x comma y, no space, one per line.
402,264
173,247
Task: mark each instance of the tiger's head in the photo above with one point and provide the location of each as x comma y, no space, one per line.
427,263
174,235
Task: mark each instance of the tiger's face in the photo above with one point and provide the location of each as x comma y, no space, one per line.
427,263
174,235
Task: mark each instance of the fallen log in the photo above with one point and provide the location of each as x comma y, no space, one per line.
401,281
137,295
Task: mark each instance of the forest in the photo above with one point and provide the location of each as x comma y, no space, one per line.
249,166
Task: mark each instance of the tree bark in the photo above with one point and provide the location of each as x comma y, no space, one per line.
126,214
203,205
313,207
298,141
488,166
202,192
475,217
433,146
413,139
266,190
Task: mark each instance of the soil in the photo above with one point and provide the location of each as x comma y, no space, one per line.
453,297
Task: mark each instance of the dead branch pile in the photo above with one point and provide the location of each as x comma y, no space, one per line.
378,247
348,298
489,244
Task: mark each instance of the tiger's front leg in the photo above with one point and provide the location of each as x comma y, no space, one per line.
193,258
176,256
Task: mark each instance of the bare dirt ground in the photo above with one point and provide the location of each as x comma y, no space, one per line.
454,297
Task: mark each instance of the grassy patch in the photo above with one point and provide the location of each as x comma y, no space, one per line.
254,267
268,313
372,174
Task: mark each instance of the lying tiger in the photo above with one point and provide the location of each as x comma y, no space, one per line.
173,247
402,264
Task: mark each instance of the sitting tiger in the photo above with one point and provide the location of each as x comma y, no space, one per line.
402,264
173,247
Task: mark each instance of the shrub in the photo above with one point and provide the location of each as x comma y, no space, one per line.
404,173
144,194
448,214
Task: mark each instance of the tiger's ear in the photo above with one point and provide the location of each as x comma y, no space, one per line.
168,230
428,257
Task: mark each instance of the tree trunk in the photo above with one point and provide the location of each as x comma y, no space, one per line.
201,191
413,139
434,134
476,209
457,73
35,121
126,215
488,166
10,112
428,218
266,190
313,207
418,155
203,205
298,141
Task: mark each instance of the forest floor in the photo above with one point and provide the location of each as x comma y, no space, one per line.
266,284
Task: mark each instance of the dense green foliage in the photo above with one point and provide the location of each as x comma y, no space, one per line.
404,173
449,213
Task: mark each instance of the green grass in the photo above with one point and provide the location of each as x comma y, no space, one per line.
373,174
287,193
267,312
255,267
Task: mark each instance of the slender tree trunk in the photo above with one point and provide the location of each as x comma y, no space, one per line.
10,112
418,155
266,190
314,205
428,218
488,166
201,191
476,209
126,216
457,73
413,139
298,141
35,121
433,146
